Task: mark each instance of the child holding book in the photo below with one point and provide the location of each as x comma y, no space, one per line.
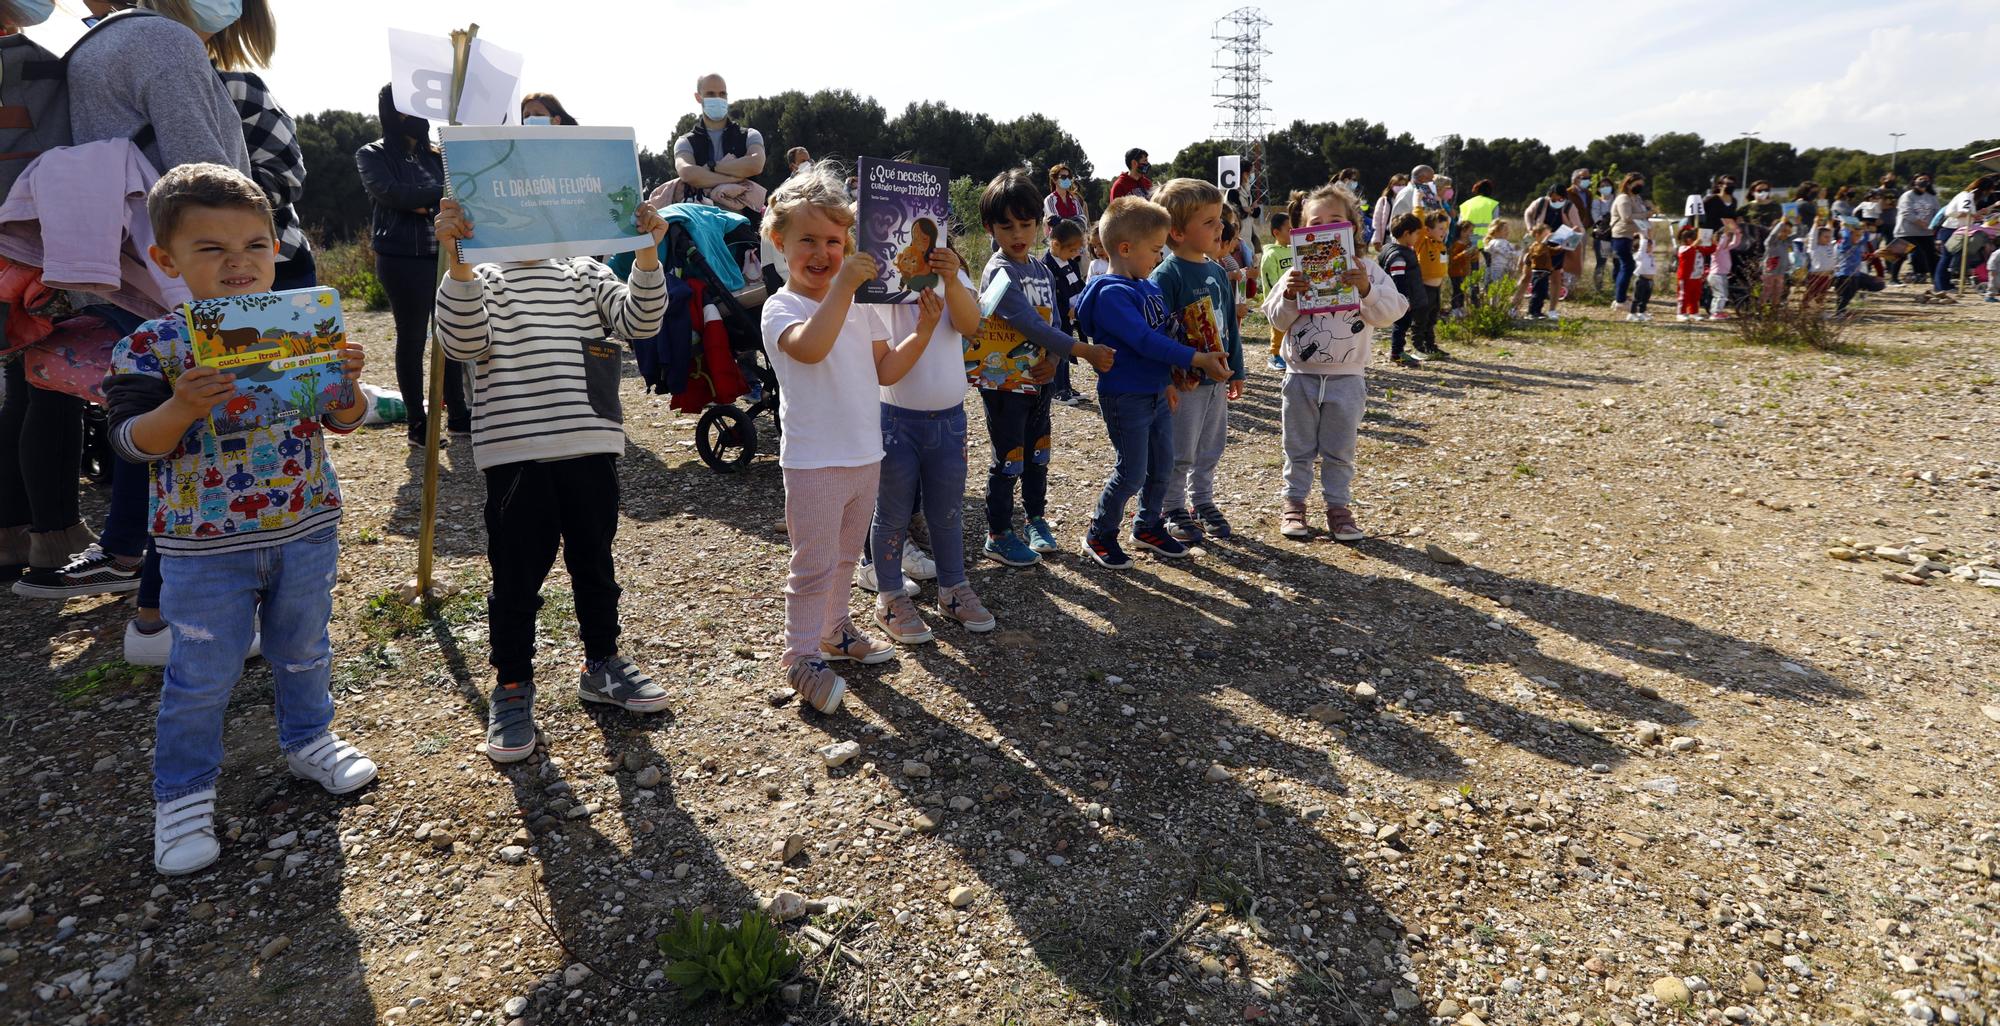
223,572
1201,307
1435,265
1721,260
923,457
1277,260
831,358
1398,260
1326,361
1125,309
1777,264
1541,269
547,432
1017,418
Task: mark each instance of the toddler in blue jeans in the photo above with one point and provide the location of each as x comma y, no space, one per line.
1125,311
226,546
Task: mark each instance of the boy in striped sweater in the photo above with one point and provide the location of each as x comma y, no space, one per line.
547,431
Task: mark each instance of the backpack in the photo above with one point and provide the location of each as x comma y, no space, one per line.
41,81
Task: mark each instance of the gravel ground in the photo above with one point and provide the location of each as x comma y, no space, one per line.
1666,692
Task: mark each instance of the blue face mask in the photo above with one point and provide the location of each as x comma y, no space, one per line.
536,119
33,13
212,16
715,108
1064,183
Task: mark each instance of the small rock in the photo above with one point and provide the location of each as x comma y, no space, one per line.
632,761
924,823
785,906
1404,999
116,971
442,840
960,896
1646,733
1671,991
1684,744
18,917
284,840
1365,691
648,777
1217,773
1797,965
1326,713
960,803
1752,984
1843,553
1211,966
274,946
575,974
792,993
1440,554
514,1007
787,848
105,765
915,769
1991,712
840,753
513,855
1470,1019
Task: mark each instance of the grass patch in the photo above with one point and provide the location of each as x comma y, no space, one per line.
350,267
1791,325
739,965
116,675
386,618
1487,313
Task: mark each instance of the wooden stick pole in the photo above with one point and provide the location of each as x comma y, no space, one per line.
461,49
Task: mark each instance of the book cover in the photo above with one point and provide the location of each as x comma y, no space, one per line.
283,348
996,356
1322,253
1202,332
541,191
1791,211
903,211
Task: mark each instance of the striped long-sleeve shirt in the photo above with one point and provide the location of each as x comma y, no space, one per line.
545,376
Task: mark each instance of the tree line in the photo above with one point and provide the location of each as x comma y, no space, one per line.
842,124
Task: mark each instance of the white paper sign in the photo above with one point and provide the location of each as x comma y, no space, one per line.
420,80
1228,172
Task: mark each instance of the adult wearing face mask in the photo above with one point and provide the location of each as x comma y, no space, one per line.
1631,228
1420,192
1065,200
1557,212
1133,181
1600,230
1966,210
717,160
1914,211
404,176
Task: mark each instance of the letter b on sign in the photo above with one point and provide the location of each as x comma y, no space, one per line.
430,94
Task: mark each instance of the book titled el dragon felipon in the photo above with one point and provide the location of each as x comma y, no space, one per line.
903,212
283,349
539,191
1321,253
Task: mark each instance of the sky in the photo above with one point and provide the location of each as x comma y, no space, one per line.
1837,73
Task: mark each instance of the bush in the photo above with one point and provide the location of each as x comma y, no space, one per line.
350,267
1487,313
742,964
1789,325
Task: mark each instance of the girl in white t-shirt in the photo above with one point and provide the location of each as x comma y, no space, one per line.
830,357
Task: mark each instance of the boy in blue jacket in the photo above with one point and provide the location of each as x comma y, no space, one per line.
1125,311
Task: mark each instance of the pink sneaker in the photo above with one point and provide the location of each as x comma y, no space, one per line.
898,617
849,644
961,604
1340,522
817,684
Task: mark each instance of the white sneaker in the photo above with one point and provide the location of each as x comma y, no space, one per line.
332,764
916,565
143,649
184,834
1681,318
1631,318
864,575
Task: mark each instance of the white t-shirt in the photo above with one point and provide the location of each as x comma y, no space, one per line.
937,382
831,411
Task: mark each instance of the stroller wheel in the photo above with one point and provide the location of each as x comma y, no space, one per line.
726,438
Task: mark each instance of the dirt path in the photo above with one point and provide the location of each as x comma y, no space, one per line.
1646,754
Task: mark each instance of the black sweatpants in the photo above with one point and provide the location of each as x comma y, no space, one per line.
411,284
41,454
530,508
1642,292
1018,425
1427,319
1846,286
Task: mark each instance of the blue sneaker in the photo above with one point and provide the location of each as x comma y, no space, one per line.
1040,537
756,393
1010,549
1158,540
1276,363
1105,551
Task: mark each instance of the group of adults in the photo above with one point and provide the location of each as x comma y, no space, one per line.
174,80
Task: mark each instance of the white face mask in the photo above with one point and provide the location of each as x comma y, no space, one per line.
1763,194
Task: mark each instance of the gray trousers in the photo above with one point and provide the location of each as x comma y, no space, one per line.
1322,414
1201,426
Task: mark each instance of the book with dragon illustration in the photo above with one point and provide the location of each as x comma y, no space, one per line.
539,191
1322,253
282,347
997,357
903,212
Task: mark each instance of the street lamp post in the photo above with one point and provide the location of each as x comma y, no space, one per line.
1747,136
1895,147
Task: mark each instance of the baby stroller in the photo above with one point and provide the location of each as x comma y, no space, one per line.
675,363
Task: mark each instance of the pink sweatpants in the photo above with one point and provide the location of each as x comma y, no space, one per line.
827,512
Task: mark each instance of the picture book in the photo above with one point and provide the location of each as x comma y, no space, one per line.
1704,236
282,347
1791,211
1322,253
540,191
1565,238
903,211
996,356
1202,332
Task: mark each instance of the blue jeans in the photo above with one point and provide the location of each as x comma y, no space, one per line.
211,603
124,531
1142,434
1941,276
1621,254
923,451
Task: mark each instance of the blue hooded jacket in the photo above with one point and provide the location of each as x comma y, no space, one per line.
1130,316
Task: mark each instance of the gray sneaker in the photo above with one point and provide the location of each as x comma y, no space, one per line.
510,722
624,685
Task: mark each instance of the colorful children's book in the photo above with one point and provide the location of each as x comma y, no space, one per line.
1791,210
903,211
282,347
996,356
540,191
1704,236
1322,253
1202,332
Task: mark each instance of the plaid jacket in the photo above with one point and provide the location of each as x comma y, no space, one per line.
275,161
